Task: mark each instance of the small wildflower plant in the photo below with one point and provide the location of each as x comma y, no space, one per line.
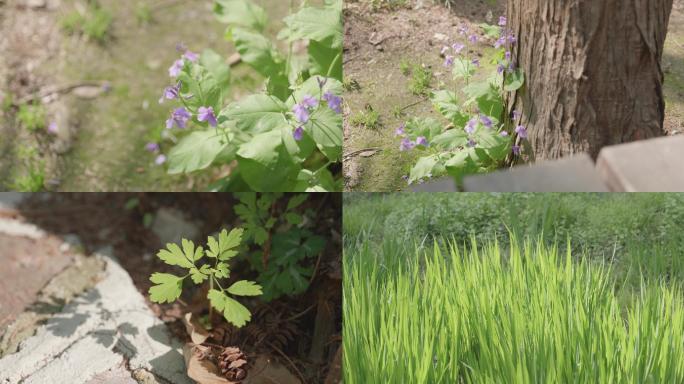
283,139
206,264
480,135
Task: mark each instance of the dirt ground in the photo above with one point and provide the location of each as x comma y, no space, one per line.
378,42
303,332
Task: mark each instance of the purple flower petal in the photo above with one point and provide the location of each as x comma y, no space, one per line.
502,21
406,145
152,147
334,102
301,113
176,68
53,128
516,150
207,114
470,127
298,133
486,121
161,159
191,56
179,117
448,61
421,140
309,101
400,131
472,38
521,131
458,47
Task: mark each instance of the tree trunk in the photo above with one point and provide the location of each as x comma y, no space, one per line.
592,72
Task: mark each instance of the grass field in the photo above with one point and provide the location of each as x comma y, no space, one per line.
488,296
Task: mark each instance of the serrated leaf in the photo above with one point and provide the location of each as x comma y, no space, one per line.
293,218
257,113
260,236
230,240
245,288
313,245
514,80
447,104
319,24
192,253
197,276
234,312
423,168
213,245
168,287
173,255
222,271
240,13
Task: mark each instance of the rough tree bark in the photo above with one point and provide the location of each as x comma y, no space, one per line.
593,74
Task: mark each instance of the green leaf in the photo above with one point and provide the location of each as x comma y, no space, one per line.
196,151
487,96
514,81
463,68
245,288
296,200
313,245
228,241
217,68
496,146
265,163
259,53
234,312
424,126
199,275
257,113
260,236
293,218
325,61
240,13
323,25
492,31
310,87
423,168
446,103
192,253
168,287
173,255
451,139
222,270
326,130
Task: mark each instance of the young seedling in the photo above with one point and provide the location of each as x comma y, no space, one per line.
219,252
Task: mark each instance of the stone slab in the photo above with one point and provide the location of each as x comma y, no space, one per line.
94,334
655,165
572,174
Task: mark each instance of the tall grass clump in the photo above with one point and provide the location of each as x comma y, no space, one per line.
523,313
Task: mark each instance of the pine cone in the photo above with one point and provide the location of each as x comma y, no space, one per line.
233,364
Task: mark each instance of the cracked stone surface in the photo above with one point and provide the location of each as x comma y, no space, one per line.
102,335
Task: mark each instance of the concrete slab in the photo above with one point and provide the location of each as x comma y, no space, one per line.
572,174
655,165
95,334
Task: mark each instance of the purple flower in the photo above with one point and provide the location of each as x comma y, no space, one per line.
458,47
53,128
161,159
448,61
521,131
207,114
334,102
400,131
502,21
508,55
176,68
476,62
301,113
179,117
472,38
191,56
298,133
500,68
406,145
486,121
309,101
322,81
516,150
462,29
152,147
470,127
512,39
471,143
170,93
515,114
500,42
504,134
444,50
421,140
